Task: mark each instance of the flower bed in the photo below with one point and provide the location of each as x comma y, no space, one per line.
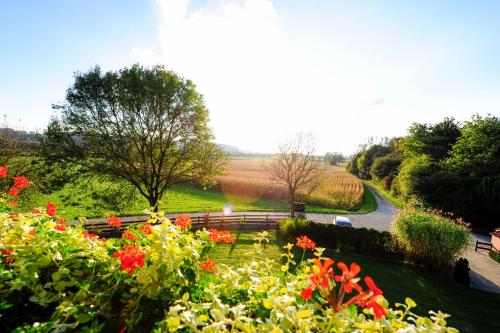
160,277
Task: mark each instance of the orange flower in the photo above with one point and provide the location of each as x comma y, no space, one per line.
21,182
368,299
146,228
183,221
9,254
60,227
51,208
128,235
320,278
87,234
223,236
3,171
12,203
114,221
348,277
305,243
209,265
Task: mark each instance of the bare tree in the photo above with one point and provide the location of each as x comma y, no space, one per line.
295,165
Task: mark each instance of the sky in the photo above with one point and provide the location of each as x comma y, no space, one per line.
343,71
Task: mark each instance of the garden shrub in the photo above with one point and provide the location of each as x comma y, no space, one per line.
158,277
293,226
461,272
352,240
430,239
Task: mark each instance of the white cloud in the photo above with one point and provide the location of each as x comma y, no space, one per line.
263,81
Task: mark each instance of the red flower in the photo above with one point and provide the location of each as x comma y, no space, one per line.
146,228
60,227
114,221
9,256
348,277
87,234
36,211
13,192
32,232
223,236
3,171
368,299
183,221
209,265
12,203
131,257
51,209
128,235
306,293
21,182
305,243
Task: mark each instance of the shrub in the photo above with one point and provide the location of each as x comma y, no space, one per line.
293,227
430,239
495,256
461,273
353,240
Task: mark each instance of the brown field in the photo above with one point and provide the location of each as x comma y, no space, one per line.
248,180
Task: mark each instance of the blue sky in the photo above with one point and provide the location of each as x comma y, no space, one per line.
342,70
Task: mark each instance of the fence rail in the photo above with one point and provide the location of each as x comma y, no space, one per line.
483,246
240,221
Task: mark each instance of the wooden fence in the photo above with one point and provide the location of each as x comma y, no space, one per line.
230,222
483,246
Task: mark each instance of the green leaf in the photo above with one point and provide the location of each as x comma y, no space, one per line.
83,318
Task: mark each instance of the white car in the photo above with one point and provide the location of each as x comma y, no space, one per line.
342,221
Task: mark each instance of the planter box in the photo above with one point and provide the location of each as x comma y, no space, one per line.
495,240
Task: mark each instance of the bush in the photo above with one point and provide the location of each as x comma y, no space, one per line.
461,273
352,240
430,239
293,226
495,256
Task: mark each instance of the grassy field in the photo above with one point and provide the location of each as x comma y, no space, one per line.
250,179
396,201
246,186
472,310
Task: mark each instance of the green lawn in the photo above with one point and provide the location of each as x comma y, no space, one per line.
75,200
472,310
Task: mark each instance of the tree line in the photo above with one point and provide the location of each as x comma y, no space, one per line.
448,166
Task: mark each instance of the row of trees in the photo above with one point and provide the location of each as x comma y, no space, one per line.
448,166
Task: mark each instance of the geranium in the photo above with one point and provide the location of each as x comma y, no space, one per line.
87,234
131,257
209,265
183,221
114,221
9,256
60,227
51,209
12,203
21,182
128,235
13,192
3,171
146,228
348,277
305,243
323,280
223,236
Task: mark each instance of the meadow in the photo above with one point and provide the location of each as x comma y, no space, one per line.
246,186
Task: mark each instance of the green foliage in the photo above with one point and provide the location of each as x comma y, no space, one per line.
495,256
411,174
366,160
434,141
349,240
385,166
430,239
77,283
293,226
334,158
352,166
147,126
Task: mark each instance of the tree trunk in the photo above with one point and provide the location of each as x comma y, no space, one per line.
153,203
292,200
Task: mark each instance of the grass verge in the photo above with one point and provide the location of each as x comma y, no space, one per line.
471,310
395,201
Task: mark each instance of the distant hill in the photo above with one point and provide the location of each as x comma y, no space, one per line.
230,150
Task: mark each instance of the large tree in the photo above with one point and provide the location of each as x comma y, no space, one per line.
147,126
295,165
